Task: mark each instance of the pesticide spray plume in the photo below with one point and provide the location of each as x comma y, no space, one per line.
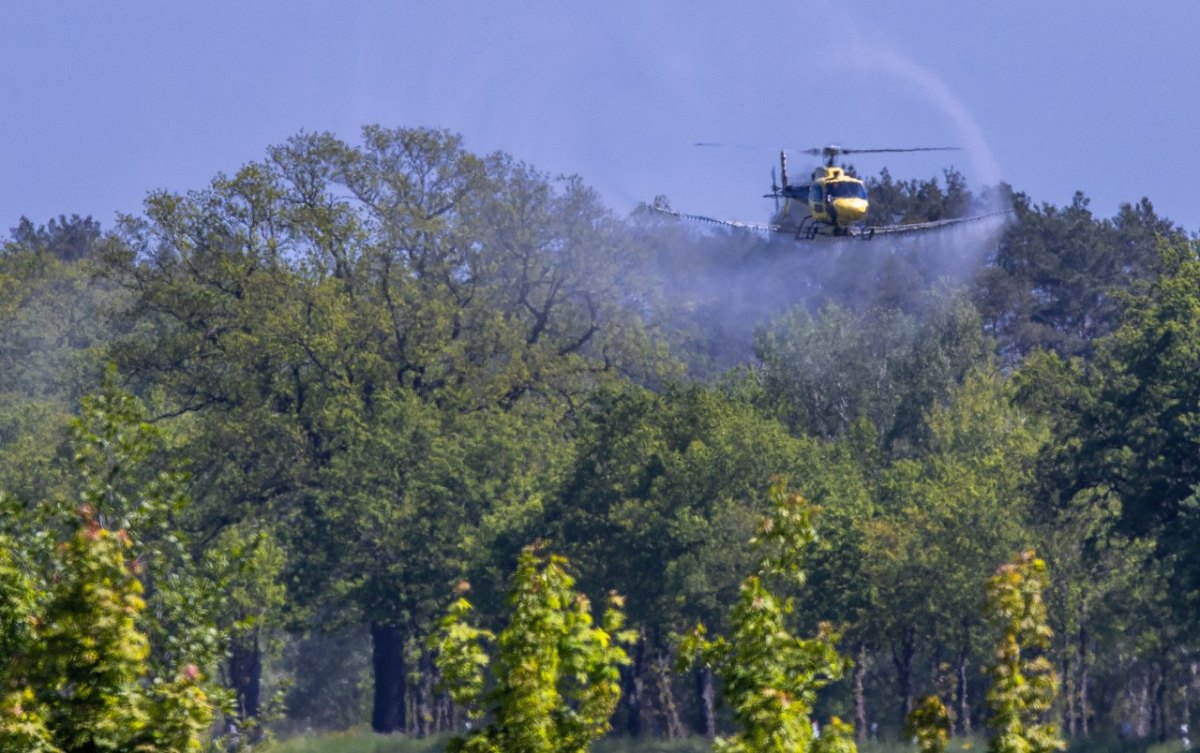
726,286
878,58
731,283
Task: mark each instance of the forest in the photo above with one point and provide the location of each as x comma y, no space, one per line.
285,420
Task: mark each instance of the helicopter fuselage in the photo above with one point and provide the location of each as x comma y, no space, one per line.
832,202
833,197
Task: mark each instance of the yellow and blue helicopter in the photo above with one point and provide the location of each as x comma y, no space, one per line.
831,204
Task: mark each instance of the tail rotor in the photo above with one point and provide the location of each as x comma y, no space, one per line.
777,189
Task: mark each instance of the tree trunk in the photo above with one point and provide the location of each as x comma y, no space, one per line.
708,706
1068,689
902,657
425,695
634,689
1158,712
1142,726
245,675
456,721
860,696
388,713
964,703
442,721
938,682
1188,687
1085,711
669,710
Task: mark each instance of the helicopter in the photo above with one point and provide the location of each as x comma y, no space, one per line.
832,203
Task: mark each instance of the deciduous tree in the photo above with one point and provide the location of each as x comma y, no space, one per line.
769,676
556,682
1024,683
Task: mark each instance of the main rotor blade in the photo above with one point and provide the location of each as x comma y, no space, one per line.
726,145
825,151
833,150
915,149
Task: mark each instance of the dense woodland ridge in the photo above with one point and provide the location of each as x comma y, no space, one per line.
321,391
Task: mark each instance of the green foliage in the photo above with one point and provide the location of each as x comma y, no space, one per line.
89,655
113,443
1141,412
18,600
674,477
784,536
1138,418
244,570
66,239
556,672
123,474
22,721
77,633
943,516
769,676
76,681
901,201
822,374
179,715
1024,683
22,726
246,566
836,737
462,657
1059,274
382,345
392,362
54,315
929,724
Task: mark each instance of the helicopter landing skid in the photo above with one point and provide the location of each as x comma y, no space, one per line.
809,229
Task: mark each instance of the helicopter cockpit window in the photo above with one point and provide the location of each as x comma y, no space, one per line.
814,193
846,190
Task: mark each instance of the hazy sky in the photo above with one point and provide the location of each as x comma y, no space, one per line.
101,102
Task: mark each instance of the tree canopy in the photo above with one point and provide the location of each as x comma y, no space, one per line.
301,403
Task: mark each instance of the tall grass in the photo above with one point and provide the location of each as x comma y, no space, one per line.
364,741
1117,745
891,745
358,741
630,745
367,742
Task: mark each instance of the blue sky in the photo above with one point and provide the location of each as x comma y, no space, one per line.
101,103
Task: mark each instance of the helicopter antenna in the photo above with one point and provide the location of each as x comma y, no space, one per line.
783,166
